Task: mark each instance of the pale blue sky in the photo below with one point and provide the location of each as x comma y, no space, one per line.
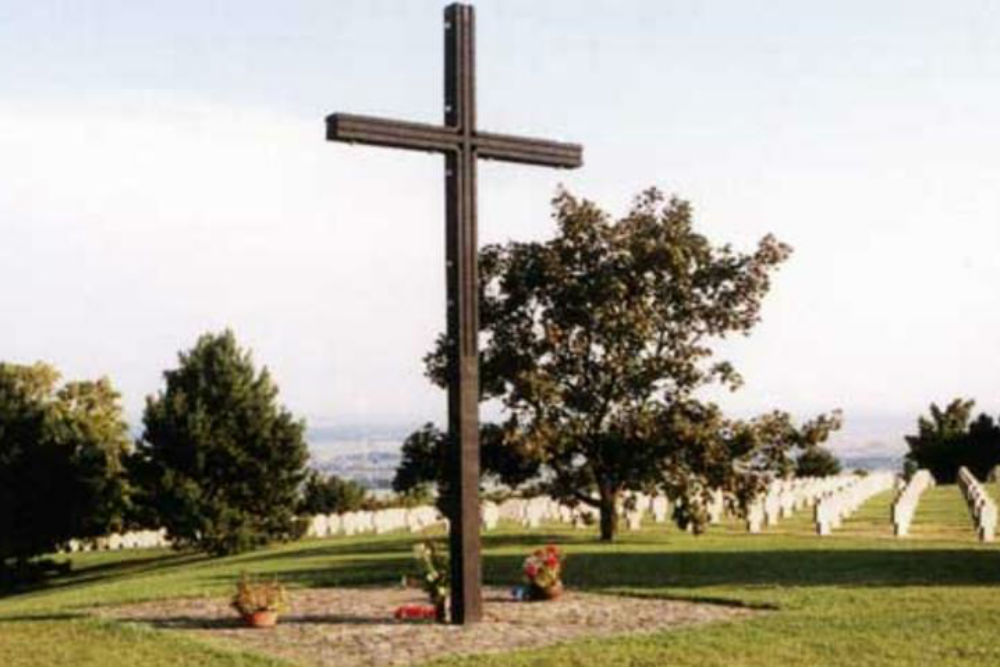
164,173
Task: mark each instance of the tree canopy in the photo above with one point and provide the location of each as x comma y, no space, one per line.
331,494
817,461
220,463
596,342
424,461
61,461
948,439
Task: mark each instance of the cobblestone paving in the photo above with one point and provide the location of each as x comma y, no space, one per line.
342,627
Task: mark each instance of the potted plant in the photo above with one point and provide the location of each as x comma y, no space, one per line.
543,571
434,576
259,603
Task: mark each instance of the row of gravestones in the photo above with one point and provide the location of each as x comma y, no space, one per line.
531,512
135,539
660,507
784,497
413,519
832,508
528,512
781,499
981,506
905,505
323,525
833,499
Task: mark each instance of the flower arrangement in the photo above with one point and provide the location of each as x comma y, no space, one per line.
543,571
259,603
435,575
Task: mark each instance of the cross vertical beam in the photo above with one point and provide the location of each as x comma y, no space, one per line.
463,316
462,145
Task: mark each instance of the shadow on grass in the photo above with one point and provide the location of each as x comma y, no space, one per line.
597,570
384,560
357,573
130,566
36,618
403,544
528,541
106,572
947,567
228,623
331,548
190,622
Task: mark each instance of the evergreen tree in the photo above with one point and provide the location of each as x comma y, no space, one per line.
220,463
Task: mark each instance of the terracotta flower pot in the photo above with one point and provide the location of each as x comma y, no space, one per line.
548,592
261,619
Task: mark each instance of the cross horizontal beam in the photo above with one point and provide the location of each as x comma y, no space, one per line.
525,150
353,128
392,133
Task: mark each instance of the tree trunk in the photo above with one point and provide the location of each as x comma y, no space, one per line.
609,514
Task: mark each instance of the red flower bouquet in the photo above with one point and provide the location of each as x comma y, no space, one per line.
543,571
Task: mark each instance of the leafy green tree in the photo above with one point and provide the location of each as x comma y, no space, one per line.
817,461
61,453
949,439
220,464
697,449
597,341
424,461
331,494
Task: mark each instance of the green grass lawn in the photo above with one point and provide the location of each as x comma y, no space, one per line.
859,597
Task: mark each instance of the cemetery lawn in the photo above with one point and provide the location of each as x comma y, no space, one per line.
859,597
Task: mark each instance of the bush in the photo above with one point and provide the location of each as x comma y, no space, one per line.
331,495
220,463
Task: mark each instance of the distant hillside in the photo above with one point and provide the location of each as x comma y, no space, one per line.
873,462
371,455
373,469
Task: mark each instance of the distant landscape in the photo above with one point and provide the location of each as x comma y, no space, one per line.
369,453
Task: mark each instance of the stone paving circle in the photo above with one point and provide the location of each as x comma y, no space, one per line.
346,627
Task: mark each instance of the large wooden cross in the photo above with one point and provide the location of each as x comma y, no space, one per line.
461,143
